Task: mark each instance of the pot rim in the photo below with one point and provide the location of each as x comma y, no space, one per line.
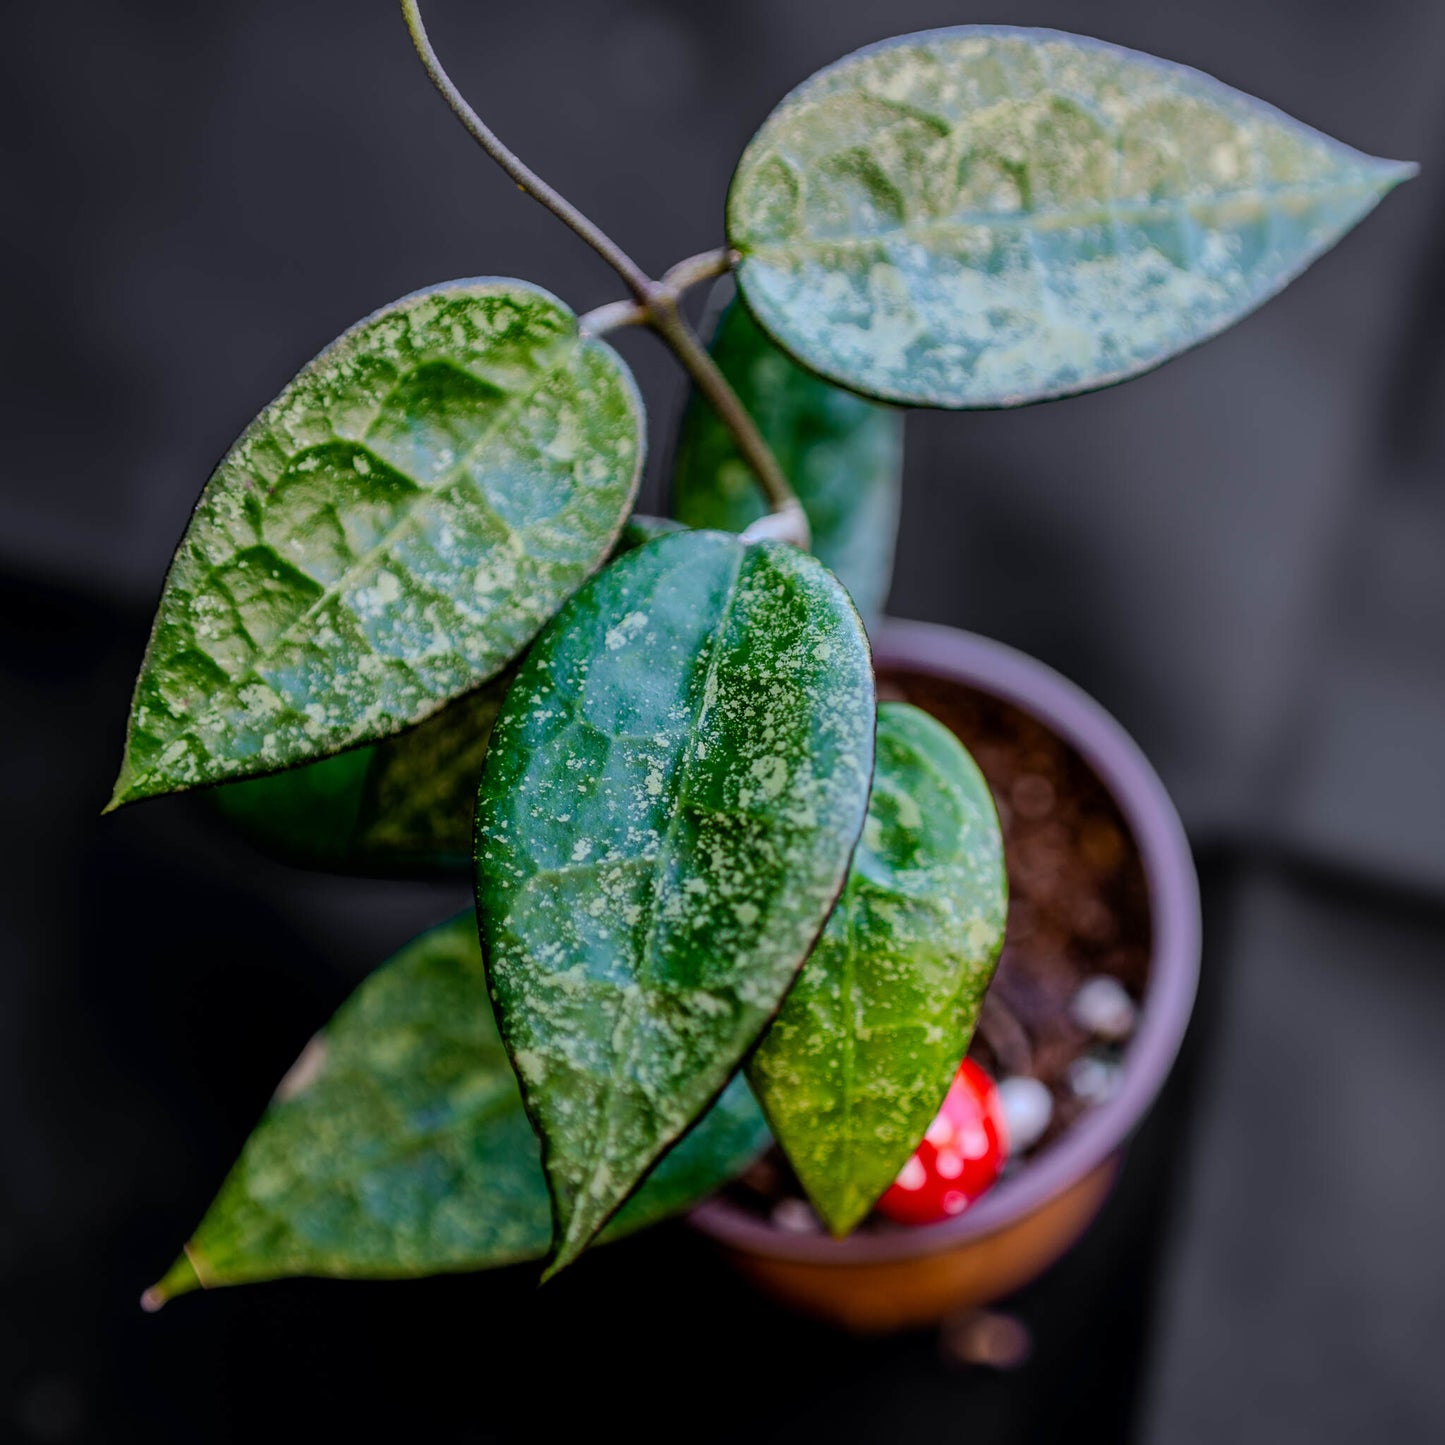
1173,892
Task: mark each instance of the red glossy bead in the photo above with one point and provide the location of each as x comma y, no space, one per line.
959,1158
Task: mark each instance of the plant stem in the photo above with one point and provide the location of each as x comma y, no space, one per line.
614,314
704,267
656,304
638,281
788,522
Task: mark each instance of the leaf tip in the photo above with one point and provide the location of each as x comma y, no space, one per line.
123,791
181,1278
565,1253
1380,175
841,1219
559,1261
1404,171
571,1244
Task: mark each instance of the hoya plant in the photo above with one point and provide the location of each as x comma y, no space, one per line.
721,894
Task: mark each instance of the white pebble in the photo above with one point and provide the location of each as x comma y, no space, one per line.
795,1216
1094,1080
1103,1007
1027,1108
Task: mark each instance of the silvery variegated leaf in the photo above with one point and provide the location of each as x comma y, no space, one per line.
987,215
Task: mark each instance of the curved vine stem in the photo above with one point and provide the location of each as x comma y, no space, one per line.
612,317
788,521
638,281
656,303
704,267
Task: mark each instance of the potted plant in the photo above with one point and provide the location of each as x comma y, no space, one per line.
741,886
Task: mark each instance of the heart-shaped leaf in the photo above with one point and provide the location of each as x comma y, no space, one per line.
985,215
388,534
403,805
843,455
398,1144
868,1041
673,791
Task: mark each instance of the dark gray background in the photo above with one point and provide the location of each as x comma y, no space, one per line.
1240,555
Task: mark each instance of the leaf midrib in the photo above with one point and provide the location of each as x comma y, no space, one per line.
602,1139
1109,214
946,871
850,1042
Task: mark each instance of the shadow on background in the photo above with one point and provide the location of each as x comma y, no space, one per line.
1240,555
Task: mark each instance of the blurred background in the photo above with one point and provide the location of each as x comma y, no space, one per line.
1240,555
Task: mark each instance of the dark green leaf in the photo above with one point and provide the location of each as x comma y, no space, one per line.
716,1149
404,804
986,215
641,529
398,1145
843,455
401,805
673,791
855,1067
386,535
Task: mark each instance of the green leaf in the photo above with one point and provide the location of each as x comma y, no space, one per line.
723,1142
843,455
398,1144
641,529
403,805
388,534
855,1067
673,792
985,216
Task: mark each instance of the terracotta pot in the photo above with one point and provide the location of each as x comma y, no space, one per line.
917,1276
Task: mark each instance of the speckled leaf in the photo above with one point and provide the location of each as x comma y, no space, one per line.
398,1144
403,805
856,1065
843,455
984,216
673,791
386,535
